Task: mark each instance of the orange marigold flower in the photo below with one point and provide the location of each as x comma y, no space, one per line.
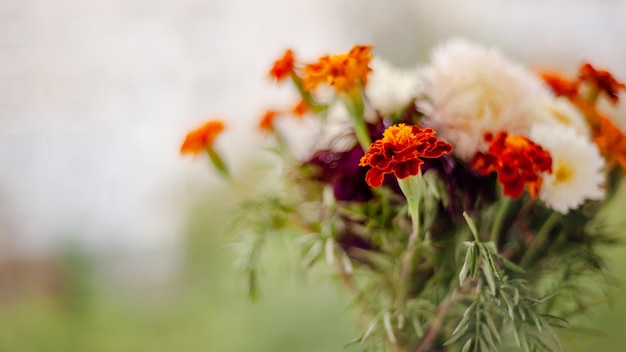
344,72
201,139
283,67
400,152
267,121
517,161
560,85
602,80
300,109
610,140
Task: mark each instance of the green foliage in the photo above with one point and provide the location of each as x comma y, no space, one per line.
506,303
470,283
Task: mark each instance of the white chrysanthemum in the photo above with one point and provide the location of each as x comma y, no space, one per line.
390,89
471,89
576,168
561,111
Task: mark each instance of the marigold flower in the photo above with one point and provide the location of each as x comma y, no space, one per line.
201,139
283,67
610,140
516,159
560,85
343,72
401,151
267,121
602,80
300,109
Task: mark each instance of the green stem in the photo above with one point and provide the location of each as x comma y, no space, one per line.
504,209
413,188
306,95
437,322
540,239
218,163
356,107
362,134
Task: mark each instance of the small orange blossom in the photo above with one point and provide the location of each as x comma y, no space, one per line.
344,72
201,139
283,67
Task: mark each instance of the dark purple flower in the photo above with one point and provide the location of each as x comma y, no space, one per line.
342,170
466,188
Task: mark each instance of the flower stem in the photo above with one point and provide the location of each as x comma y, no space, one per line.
362,134
506,204
540,239
413,188
356,107
218,163
437,321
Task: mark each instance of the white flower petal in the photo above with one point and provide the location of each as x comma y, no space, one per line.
390,89
471,90
577,168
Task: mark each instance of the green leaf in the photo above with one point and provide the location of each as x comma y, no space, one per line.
329,247
466,265
475,257
370,330
516,337
417,326
492,327
472,226
313,254
492,264
510,306
488,273
486,334
388,329
467,345
512,266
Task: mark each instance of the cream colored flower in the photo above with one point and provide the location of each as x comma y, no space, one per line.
391,89
577,168
561,111
471,89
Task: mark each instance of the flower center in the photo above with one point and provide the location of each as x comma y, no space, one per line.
563,172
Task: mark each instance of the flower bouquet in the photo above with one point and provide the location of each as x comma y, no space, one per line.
460,202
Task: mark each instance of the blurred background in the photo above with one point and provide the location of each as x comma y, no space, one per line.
111,241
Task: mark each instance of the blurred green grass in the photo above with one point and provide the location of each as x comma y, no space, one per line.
207,309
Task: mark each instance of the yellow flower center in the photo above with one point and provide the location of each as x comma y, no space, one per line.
564,172
562,118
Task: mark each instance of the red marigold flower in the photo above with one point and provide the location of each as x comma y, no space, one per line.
283,67
344,72
517,161
602,80
400,152
201,139
560,85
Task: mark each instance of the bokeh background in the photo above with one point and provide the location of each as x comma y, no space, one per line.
111,241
